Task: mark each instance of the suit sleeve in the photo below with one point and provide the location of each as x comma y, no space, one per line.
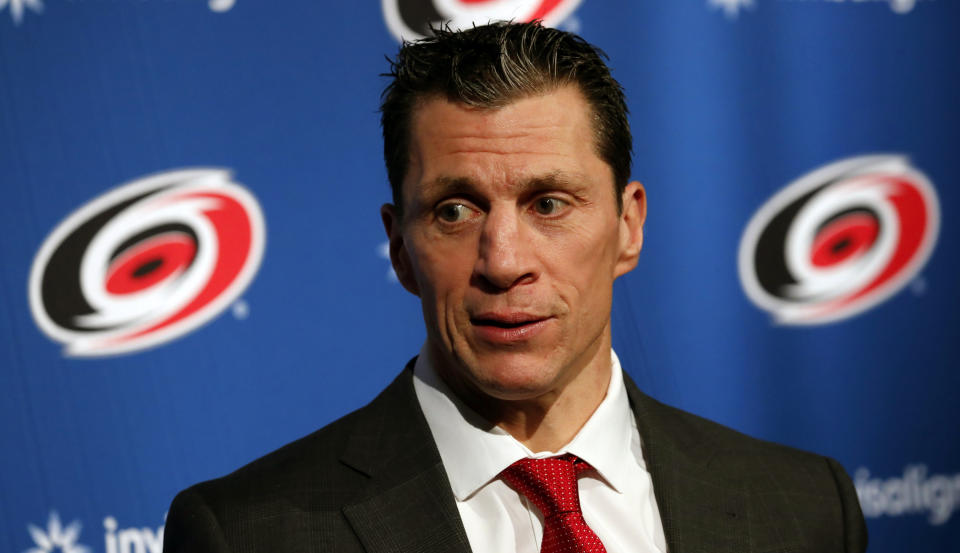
854,527
192,527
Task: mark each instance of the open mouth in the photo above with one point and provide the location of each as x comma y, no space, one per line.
503,324
508,328
506,321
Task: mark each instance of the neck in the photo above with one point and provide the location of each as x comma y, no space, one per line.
548,421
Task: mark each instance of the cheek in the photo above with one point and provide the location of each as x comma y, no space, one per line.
443,275
442,271
581,266
583,254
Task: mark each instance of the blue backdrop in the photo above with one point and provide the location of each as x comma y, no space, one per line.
731,101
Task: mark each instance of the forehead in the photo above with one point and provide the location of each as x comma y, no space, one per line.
528,138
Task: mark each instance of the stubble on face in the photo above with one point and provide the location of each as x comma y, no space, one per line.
512,240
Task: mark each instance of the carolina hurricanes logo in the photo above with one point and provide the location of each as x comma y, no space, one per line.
146,262
412,19
839,240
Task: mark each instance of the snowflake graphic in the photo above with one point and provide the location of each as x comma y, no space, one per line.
56,538
17,8
731,8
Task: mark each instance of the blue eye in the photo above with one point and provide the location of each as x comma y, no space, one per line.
548,205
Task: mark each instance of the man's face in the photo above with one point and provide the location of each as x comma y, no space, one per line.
511,238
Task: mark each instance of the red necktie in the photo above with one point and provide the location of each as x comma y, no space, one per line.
551,485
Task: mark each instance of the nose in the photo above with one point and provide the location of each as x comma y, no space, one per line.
506,257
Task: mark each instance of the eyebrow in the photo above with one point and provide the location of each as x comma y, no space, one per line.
445,185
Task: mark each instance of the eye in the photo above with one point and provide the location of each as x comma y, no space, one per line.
453,212
548,205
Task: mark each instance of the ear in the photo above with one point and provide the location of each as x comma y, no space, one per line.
398,250
631,227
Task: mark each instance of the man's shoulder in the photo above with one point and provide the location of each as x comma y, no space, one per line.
734,455
314,472
728,439
298,493
291,475
285,496
786,495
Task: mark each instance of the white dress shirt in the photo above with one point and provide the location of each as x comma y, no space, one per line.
617,498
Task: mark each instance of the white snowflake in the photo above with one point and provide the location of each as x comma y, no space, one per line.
731,8
221,5
17,8
56,537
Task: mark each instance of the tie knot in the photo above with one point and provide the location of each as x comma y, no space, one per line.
550,484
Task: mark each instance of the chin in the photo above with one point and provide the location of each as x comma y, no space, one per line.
514,381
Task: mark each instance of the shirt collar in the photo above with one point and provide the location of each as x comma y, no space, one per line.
474,451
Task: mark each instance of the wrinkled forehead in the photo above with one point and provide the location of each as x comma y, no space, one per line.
556,105
534,144
531,129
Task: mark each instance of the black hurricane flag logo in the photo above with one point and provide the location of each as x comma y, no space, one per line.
412,19
839,240
146,262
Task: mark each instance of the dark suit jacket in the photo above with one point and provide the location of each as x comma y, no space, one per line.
373,482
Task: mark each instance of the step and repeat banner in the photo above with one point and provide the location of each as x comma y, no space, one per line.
195,273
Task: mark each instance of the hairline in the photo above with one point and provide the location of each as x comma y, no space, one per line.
550,86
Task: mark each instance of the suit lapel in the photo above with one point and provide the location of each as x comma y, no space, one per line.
408,505
700,511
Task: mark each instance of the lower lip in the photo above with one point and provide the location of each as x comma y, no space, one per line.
498,335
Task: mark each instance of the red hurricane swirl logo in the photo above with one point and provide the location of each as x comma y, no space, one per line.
146,262
839,240
412,19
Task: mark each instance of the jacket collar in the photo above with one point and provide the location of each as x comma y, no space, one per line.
408,504
700,510
475,452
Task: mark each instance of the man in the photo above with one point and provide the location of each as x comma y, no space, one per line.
508,152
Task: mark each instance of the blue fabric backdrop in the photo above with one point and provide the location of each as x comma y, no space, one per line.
730,102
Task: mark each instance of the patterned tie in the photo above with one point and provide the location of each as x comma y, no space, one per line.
551,485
